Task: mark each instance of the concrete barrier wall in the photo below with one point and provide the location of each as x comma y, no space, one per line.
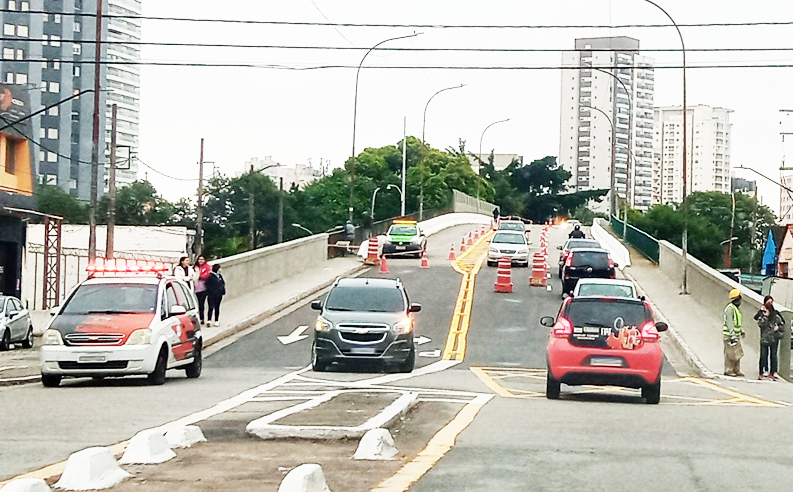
251,270
711,290
466,203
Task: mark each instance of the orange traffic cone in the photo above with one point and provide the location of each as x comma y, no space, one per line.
462,246
504,276
425,263
476,234
383,265
451,253
470,241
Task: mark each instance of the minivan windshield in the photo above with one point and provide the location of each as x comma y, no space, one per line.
372,299
112,298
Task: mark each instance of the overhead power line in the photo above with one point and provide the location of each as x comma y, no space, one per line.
413,26
163,63
411,49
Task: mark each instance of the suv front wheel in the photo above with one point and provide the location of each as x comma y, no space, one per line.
317,364
409,363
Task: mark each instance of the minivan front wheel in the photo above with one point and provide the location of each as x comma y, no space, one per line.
317,364
409,363
157,377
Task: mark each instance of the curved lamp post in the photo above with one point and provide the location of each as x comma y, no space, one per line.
424,148
303,228
355,111
479,170
684,287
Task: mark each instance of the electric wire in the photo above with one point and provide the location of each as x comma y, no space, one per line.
404,26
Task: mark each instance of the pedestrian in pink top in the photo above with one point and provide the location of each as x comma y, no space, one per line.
202,272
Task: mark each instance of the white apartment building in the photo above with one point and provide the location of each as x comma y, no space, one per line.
611,83
708,154
298,175
123,80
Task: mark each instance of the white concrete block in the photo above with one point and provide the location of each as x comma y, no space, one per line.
184,437
91,469
304,478
27,485
147,447
377,444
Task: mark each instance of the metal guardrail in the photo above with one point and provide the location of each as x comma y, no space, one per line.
637,238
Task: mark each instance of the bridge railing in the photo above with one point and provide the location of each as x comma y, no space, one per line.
637,238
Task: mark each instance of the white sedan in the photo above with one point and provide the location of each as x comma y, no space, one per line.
604,287
509,244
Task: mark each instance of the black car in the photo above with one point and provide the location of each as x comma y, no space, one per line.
572,244
364,319
586,263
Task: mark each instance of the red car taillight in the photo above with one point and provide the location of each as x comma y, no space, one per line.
565,253
563,328
568,261
649,333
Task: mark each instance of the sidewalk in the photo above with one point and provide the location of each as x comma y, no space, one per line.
696,331
21,366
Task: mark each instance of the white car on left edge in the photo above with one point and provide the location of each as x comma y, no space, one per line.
508,244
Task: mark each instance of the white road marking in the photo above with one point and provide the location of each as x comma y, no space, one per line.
431,353
422,340
295,336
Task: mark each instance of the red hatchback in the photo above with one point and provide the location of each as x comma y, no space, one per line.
605,341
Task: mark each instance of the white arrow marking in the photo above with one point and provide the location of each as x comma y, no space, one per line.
432,353
295,336
421,340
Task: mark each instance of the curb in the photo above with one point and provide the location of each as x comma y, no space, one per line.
259,317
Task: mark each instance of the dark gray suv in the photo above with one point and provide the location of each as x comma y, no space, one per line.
364,319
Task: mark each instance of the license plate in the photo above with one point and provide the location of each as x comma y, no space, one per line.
92,358
606,361
401,247
362,350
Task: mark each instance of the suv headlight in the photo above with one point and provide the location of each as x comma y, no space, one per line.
140,337
321,324
52,337
404,326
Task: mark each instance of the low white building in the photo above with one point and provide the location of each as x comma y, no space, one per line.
298,174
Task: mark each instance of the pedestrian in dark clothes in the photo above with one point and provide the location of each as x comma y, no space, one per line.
771,323
216,289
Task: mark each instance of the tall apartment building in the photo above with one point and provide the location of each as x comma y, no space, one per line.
123,80
593,99
51,55
708,154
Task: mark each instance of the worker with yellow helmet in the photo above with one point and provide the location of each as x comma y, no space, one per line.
732,331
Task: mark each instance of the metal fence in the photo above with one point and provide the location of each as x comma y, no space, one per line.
637,238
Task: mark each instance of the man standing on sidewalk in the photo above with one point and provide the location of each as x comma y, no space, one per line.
733,332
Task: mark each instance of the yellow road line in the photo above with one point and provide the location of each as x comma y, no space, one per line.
468,264
735,394
491,383
436,449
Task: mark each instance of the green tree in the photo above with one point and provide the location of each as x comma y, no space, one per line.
137,204
53,200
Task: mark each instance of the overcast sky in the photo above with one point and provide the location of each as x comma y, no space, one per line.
297,116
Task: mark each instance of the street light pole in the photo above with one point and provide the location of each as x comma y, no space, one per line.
424,148
355,114
479,171
373,197
685,153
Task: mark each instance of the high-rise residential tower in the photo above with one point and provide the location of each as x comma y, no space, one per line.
50,55
708,162
608,83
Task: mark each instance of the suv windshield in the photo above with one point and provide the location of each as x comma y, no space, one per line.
598,260
509,238
377,299
603,312
112,298
405,230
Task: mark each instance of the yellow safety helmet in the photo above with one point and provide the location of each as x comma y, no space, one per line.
735,293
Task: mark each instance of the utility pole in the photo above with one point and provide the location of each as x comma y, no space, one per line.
280,210
95,139
404,160
251,214
199,224
111,186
